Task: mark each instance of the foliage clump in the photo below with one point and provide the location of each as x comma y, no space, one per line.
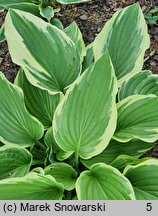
77,119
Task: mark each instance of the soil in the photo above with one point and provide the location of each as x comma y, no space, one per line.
91,17
6,65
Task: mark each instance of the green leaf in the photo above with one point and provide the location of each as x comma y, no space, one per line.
33,186
15,161
124,160
71,1
155,18
63,173
152,21
2,36
89,58
38,170
57,23
25,6
62,155
50,155
57,9
50,56
17,126
38,102
143,178
134,148
75,34
47,12
103,182
50,142
54,152
53,1
148,16
85,119
143,83
1,9
137,119
126,39
5,3
154,10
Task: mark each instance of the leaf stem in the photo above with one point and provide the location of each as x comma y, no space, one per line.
41,144
37,154
76,161
37,162
31,148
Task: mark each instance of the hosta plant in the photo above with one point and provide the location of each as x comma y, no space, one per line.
77,119
45,9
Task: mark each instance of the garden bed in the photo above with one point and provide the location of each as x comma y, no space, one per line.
91,17
78,117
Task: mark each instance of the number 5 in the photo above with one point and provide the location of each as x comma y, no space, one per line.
149,206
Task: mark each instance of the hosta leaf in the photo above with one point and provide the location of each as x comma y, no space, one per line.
24,6
53,148
137,118
124,160
50,155
143,178
50,141
16,125
53,60
126,39
33,186
2,36
85,119
143,83
63,173
4,3
71,1
74,33
103,182
38,170
47,12
62,155
89,58
38,102
57,23
133,148
54,152
15,161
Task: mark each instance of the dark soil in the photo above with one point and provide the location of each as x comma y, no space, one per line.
6,65
91,17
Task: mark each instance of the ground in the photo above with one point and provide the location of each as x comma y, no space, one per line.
91,17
